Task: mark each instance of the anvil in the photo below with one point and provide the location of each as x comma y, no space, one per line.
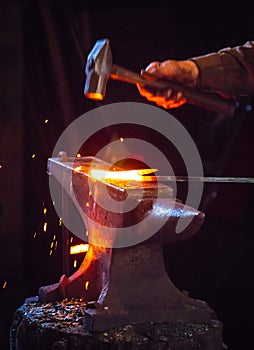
125,284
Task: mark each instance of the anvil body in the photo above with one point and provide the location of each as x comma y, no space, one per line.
125,284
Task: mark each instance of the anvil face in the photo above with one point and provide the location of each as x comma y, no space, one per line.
106,206
120,187
126,284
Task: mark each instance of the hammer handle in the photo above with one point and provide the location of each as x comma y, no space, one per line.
194,96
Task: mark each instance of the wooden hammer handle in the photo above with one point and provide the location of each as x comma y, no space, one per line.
209,101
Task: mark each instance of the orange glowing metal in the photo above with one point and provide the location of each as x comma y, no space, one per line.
79,248
124,175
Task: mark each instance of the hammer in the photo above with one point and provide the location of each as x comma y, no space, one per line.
99,68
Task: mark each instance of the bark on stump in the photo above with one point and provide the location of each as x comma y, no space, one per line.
59,326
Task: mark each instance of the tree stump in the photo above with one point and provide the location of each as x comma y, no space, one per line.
59,326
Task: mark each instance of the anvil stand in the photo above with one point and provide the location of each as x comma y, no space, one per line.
127,285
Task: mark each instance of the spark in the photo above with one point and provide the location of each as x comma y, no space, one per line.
35,234
75,263
45,226
121,139
50,252
79,248
78,168
44,211
4,285
86,285
33,155
78,155
60,221
46,121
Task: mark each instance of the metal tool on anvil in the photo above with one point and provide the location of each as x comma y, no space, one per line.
144,175
100,67
199,179
128,284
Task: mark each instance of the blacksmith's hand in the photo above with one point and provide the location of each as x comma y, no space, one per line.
184,72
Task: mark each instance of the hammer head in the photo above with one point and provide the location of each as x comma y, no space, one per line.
98,68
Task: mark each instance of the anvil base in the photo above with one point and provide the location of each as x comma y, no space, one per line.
59,326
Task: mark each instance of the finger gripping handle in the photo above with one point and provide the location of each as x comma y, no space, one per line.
209,101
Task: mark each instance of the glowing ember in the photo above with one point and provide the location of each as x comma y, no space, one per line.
79,248
86,285
123,175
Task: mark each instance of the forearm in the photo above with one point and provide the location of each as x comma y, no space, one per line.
229,71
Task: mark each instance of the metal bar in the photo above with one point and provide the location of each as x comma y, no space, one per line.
204,179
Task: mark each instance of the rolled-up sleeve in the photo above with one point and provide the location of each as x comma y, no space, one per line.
229,71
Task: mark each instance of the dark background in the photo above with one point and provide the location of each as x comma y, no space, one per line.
43,49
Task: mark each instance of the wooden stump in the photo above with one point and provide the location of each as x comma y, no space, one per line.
59,326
